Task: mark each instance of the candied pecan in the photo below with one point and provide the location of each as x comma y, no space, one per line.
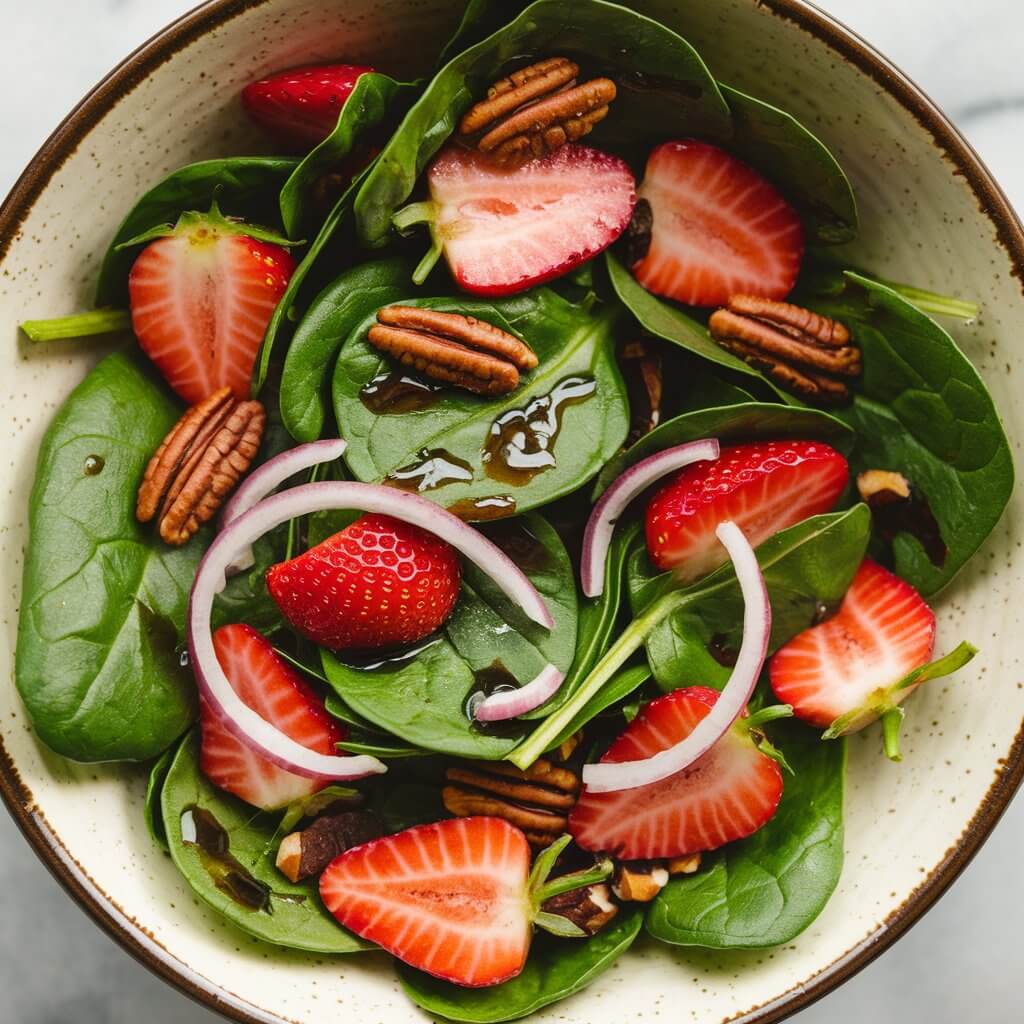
199,463
536,800
589,908
639,881
306,853
453,348
536,110
802,351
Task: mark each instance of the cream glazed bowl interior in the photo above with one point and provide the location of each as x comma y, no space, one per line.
930,215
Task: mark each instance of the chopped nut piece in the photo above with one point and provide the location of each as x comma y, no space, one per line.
641,366
590,909
800,350
686,865
199,463
568,746
306,853
639,881
536,110
537,800
882,486
453,348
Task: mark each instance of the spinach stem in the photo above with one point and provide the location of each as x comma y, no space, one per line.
576,880
631,639
766,715
78,325
932,302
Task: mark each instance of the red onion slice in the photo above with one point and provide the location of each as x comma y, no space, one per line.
244,531
757,626
510,703
268,477
628,485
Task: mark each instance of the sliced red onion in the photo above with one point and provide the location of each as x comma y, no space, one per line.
511,703
757,625
628,485
268,477
244,531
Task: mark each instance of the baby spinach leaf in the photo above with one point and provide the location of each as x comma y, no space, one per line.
479,20
103,598
923,411
731,424
806,568
422,698
797,162
556,969
374,98
151,807
244,186
309,362
663,82
577,389
766,889
242,883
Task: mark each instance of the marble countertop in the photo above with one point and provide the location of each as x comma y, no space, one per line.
959,964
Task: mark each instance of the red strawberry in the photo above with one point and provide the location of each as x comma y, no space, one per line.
201,298
506,230
450,898
719,228
860,664
279,695
729,793
763,487
301,106
377,583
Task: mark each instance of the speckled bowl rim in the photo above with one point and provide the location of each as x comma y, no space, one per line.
132,934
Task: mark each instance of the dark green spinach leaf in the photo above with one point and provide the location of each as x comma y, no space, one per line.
423,698
103,598
556,969
292,914
924,412
807,569
244,186
151,807
309,362
575,348
765,890
663,83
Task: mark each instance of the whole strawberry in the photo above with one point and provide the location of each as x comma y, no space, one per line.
300,106
378,583
201,295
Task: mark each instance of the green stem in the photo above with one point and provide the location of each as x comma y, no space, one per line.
575,880
632,638
429,261
78,325
409,217
891,722
766,715
934,303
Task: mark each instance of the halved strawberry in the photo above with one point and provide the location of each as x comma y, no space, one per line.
301,105
279,695
731,792
762,487
718,228
860,664
503,231
201,298
377,583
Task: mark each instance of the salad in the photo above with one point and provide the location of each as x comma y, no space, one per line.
500,504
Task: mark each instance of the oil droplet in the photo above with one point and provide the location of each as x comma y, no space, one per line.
94,465
435,468
521,441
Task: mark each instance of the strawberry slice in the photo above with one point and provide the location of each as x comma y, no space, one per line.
860,664
731,792
300,106
762,487
201,298
279,695
377,583
719,228
503,231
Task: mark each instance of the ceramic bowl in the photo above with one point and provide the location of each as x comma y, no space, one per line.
931,215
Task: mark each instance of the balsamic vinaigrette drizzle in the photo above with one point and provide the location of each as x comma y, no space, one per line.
495,506
434,467
396,392
495,678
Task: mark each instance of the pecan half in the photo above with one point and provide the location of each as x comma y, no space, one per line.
453,348
199,463
537,800
536,110
800,350
306,853
590,908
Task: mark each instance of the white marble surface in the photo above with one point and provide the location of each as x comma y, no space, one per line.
959,964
